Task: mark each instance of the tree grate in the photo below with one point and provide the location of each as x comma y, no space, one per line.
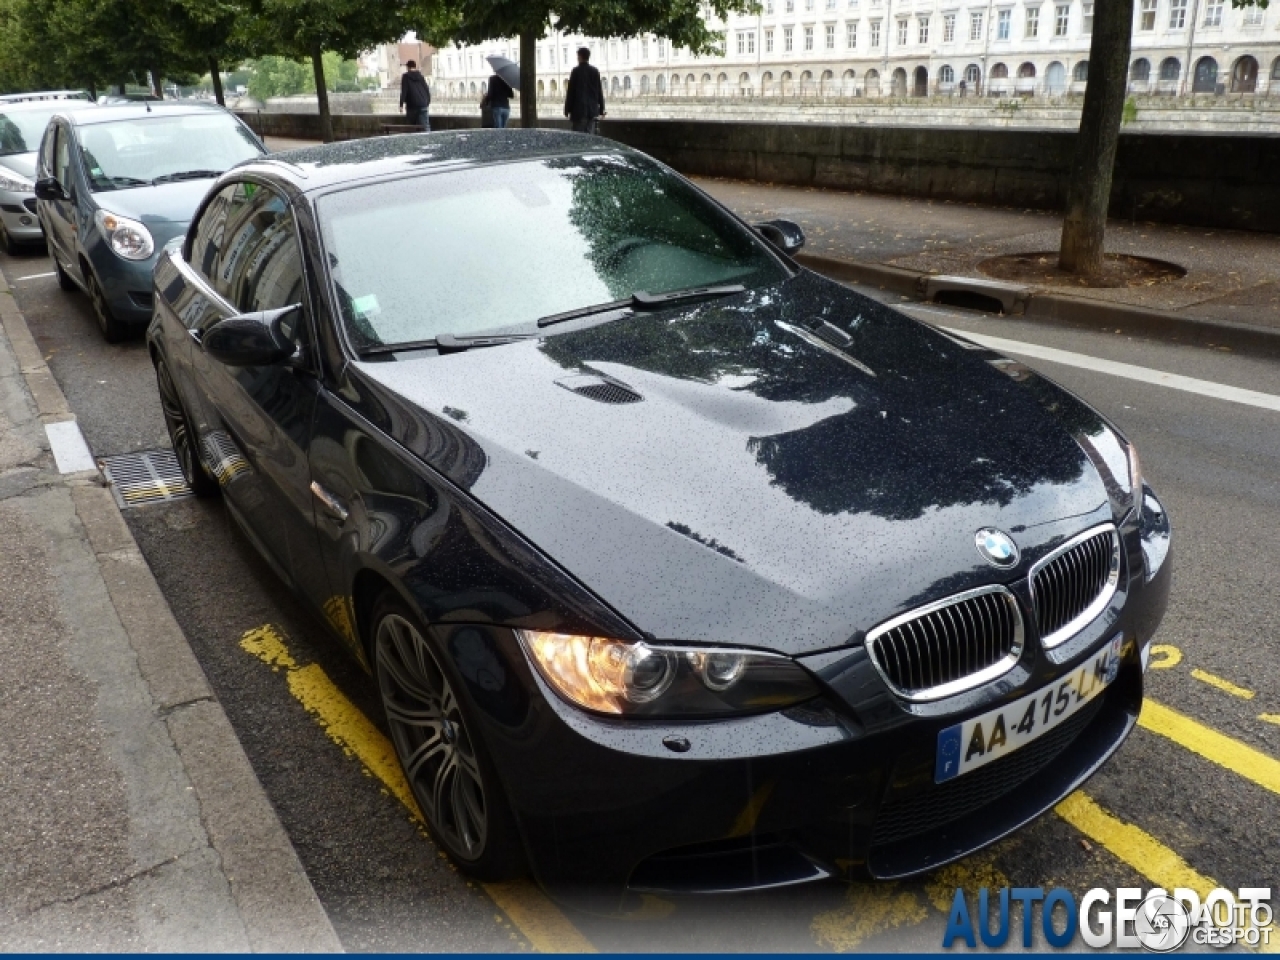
150,476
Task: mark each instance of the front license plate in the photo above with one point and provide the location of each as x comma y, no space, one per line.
973,743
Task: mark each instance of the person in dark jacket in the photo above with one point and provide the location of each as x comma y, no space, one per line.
499,94
415,96
584,95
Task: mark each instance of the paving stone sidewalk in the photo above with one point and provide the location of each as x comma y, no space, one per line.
1231,275
130,819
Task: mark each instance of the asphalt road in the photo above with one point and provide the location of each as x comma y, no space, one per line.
1182,803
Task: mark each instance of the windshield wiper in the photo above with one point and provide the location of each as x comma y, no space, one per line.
187,175
444,343
117,182
643,300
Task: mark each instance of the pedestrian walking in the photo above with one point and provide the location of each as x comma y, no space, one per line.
584,95
499,96
415,96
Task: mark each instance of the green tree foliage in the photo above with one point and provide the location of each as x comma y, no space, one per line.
476,21
282,77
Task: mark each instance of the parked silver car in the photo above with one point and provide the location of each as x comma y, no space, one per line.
22,124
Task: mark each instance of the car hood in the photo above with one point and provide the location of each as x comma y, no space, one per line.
23,164
162,203
768,490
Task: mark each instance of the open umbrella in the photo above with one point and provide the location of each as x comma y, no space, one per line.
508,70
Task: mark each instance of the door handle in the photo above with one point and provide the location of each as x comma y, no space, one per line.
331,504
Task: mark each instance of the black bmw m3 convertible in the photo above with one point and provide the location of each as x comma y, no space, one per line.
677,566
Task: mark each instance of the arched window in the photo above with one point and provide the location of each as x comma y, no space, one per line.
920,83
1027,71
473,88
1055,78
946,74
615,85
1206,78
1244,75
972,74
554,86
722,84
827,83
766,83
644,84
999,72
542,88
847,87
898,83
689,81
871,81
1275,70
1170,69
1080,72
626,84
1140,71
806,83
484,87
787,87
660,85
744,84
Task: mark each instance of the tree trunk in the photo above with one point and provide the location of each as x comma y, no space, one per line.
322,96
1089,187
157,85
216,76
528,79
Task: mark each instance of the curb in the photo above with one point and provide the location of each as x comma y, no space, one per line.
274,898
1060,310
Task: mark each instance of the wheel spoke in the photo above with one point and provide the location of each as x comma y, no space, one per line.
407,683
433,748
439,789
466,814
413,715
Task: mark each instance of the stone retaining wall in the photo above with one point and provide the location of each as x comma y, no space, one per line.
1213,181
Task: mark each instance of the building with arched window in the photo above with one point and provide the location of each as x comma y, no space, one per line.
937,47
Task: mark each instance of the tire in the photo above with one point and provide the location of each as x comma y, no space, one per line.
64,278
198,478
6,242
113,331
440,750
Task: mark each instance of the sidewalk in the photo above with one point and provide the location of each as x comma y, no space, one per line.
130,819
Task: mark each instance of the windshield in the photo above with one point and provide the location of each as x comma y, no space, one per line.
497,247
21,130
137,152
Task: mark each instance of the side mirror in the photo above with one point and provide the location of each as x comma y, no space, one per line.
786,235
48,188
258,339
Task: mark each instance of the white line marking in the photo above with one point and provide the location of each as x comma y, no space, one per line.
70,451
1205,388
34,276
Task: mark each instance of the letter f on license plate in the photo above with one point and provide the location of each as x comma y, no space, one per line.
997,733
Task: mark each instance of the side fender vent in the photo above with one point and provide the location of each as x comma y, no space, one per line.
600,389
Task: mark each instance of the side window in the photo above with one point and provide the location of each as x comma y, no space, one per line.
261,264
46,151
207,241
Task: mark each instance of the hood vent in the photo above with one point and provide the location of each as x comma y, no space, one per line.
600,389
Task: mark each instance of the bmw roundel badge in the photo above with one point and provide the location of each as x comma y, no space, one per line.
996,547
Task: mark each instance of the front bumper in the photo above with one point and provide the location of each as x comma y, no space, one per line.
18,211
126,283
841,787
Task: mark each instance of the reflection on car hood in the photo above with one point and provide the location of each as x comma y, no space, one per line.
21,163
766,491
163,203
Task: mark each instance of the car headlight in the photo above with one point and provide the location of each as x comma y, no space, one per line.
16,183
644,680
128,238
1117,460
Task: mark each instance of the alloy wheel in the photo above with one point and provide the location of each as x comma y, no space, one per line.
181,435
431,737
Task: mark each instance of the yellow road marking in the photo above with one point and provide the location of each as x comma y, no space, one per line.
1270,718
1226,752
746,821
1141,851
534,915
869,909
1226,686
1164,656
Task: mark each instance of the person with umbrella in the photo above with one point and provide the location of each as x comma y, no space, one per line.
502,87
584,95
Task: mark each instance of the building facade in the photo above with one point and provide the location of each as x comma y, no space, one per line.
902,48
386,62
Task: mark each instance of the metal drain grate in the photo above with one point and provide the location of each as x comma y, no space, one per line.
146,477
